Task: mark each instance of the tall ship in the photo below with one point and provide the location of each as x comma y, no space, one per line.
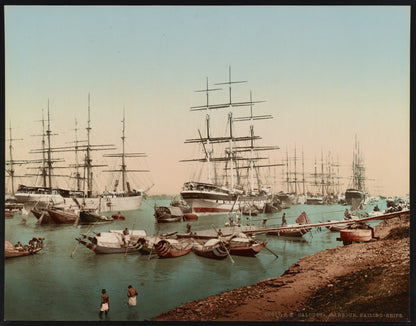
240,185
83,194
356,190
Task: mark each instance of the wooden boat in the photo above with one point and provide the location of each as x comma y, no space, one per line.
10,251
294,232
146,244
243,245
190,217
165,214
112,242
355,235
42,215
182,205
171,248
339,227
213,248
272,208
91,217
61,216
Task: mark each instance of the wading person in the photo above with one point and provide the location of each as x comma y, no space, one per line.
105,303
132,293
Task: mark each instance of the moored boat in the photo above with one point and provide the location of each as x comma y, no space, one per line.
92,217
213,248
60,216
165,214
355,235
243,245
171,248
114,241
289,231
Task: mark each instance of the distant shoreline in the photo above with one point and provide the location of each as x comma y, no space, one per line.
359,282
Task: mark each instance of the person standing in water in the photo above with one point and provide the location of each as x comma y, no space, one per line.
131,294
105,303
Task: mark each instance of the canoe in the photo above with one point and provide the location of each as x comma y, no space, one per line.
213,248
10,251
171,248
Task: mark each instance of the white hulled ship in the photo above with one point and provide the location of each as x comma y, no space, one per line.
238,187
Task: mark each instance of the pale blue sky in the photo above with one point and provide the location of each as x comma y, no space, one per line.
327,73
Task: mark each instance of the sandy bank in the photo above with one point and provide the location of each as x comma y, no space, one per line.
359,282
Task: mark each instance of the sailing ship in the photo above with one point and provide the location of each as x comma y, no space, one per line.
357,187
219,194
47,195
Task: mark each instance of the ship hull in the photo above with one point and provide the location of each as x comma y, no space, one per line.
351,194
211,203
103,204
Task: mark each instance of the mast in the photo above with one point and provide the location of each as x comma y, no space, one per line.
123,155
11,171
88,160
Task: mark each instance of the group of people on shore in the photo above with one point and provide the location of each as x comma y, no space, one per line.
105,299
34,243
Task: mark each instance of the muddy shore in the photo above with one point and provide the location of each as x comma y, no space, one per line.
358,282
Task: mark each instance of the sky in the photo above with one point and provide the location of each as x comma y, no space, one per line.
325,74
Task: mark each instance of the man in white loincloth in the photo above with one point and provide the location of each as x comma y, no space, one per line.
132,293
105,303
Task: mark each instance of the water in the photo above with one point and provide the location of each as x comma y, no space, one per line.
52,286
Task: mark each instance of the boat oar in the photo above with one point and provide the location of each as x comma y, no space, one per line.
228,253
265,247
76,246
77,219
41,218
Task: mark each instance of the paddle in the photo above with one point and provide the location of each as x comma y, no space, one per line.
265,247
225,247
76,246
41,218
77,220
127,248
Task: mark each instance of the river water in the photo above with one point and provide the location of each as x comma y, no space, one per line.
52,286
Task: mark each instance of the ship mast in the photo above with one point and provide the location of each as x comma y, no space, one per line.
11,171
123,155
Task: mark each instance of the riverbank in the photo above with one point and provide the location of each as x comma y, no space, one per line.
359,282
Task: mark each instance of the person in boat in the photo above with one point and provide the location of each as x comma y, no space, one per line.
284,219
376,209
188,228
125,240
131,294
18,245
105,303
219,233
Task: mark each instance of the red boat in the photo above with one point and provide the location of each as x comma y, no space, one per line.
8,214
118,216
190,217
355,235
171,248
